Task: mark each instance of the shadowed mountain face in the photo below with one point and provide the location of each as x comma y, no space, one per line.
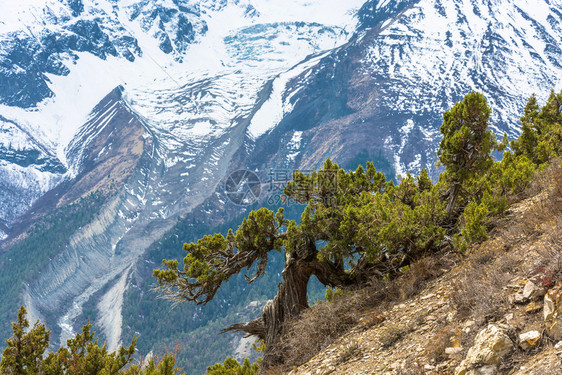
383,94
28,169
153,104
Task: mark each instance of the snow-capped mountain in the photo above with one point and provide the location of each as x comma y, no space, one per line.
205,80
60,58
385,92
154,102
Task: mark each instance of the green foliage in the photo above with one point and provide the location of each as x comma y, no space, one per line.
466,147
467,142
164,366
233,367
357,216
332,294
41,243
541,137
212,260
516,173
539,142
474,229
403,218
379,161
424,181
25,350
81,356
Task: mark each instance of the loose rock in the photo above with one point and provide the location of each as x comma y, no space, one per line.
553,313
529,289
529,339
490,346
453,351
532,307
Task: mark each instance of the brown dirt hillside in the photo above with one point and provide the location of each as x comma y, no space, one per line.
427,322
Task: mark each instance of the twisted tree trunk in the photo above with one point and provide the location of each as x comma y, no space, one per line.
292,298
453,199
290,301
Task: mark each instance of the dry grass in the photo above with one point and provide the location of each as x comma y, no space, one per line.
319,326
274,370
351,350
529,238
417,368
435,347
479,290
415,280
392,333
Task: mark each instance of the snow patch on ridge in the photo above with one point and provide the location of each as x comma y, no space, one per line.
110,312
276,107
294,145
29,183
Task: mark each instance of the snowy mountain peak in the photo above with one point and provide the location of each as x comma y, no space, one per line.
191,69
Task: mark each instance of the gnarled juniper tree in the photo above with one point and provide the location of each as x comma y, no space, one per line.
466,147
356,225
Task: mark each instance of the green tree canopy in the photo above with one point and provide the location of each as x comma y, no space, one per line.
467,143
355,225
25,351
541,136
25,354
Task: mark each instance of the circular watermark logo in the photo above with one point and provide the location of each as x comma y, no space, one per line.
243,187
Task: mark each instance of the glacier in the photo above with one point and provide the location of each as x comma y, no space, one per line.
236,46
198,97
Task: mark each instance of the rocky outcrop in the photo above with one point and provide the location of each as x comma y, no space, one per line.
492,344
527,290
553,312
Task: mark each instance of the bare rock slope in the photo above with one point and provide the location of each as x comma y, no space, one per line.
486,314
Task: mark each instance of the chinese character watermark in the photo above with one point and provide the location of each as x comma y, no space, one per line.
243,187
